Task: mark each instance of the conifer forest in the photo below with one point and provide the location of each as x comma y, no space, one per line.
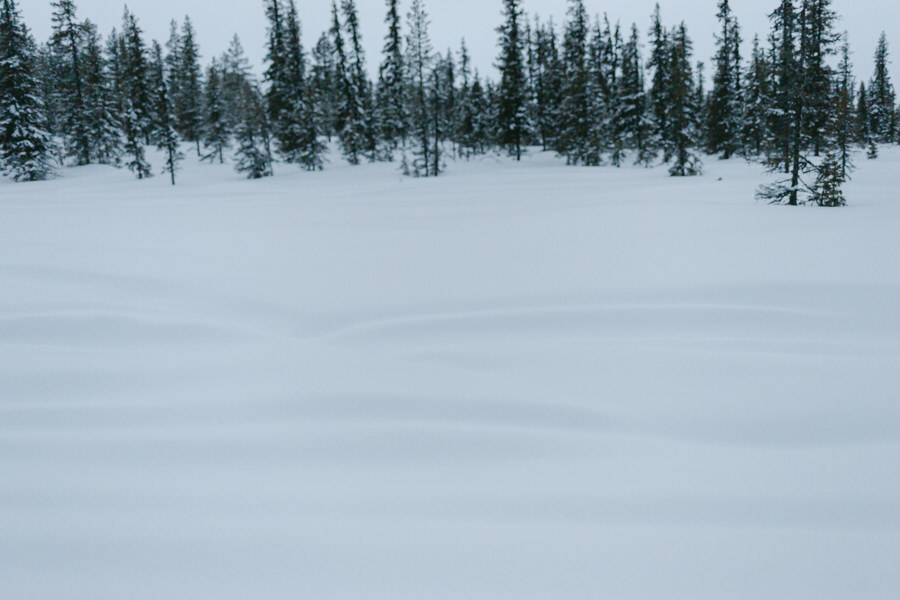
591,90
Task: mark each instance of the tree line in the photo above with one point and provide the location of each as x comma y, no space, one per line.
584,90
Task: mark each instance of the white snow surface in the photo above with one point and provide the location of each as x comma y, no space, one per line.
517,381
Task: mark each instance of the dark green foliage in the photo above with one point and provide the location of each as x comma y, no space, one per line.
449,98
548,77
724,112
45,68
165,135
658,94
682,117
882,97
390,96
355,112
26,147
802,108
235,75
829,179
512,111
819,44
323,85
173,58
134,75
872,149
186,86
67,43
785,139
437,110
480,106
419,64
842,122
291,103
276,59
575,118
472,125
863,123
586,94
253,156
633,120
136,160
101,110
299,126
215,131
756,102
609,125
598,95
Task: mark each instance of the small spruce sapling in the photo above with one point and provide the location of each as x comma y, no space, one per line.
829,181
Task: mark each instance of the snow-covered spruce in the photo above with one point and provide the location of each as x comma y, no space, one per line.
26,145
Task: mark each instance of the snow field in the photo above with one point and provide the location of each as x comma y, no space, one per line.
514,381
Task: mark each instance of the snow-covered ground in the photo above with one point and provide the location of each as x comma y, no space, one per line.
518,381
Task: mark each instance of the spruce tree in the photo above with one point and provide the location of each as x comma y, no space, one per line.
547,83
26,146
865,137
598,134
820,39
419,63
235,75
701,99
309,122
532,71
156,78
215,130
466,116
295,56
682,113
135,75
437,97
725,112
323,86
115,74
481,129
173,59
635,121
46,69
393,120
575,119
305,120
165,135
512,108
343,88
253,156
801,110
291,103
136,160
275,58
829,179
356,134
102,123
843,123
187,104
450,98
658,94
277,95
756,102
489,118
881,97
67,41
609,122
785,144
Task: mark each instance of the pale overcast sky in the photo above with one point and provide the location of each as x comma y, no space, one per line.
475,20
